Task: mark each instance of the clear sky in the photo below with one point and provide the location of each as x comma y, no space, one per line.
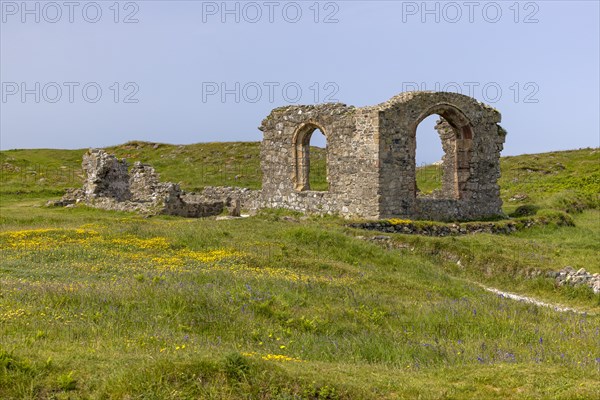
91,74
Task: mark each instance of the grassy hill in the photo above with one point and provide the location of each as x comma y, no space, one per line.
194,166
562,180
98,304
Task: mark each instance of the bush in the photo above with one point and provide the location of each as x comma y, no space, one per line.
558,218
526,210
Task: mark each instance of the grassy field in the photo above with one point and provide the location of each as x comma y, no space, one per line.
193,166
108,305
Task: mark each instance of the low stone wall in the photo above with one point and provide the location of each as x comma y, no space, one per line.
313,202
443,209
197,209
248,199
453,229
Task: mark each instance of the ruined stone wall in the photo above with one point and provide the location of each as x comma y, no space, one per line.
109,186
248,199
144,182
472,144
371,158
233,199
447,136
351,161
371,168
106,176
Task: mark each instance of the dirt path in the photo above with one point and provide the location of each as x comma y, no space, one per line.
531,300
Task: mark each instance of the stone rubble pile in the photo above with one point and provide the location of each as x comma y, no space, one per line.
569,276
110,186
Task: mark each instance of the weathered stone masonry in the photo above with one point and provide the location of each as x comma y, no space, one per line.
371,158
109,185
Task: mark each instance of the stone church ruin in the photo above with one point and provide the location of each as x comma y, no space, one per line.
370,157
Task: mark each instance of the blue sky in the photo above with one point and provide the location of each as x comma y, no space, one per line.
199,71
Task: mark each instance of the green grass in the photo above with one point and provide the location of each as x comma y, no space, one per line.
551,179
567,180
193,166
509,262
429,178
109,305
318,169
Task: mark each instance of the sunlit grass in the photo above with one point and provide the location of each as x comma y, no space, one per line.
98,304
105,303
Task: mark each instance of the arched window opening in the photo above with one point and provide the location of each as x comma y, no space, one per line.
442,177
311,159
428,157
317,174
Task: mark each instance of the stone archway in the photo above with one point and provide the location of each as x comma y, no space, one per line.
301,141
456,134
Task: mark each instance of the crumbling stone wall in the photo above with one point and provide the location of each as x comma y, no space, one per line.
371,158
449,187
106,176
248,199
144,183
351,159
109,185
